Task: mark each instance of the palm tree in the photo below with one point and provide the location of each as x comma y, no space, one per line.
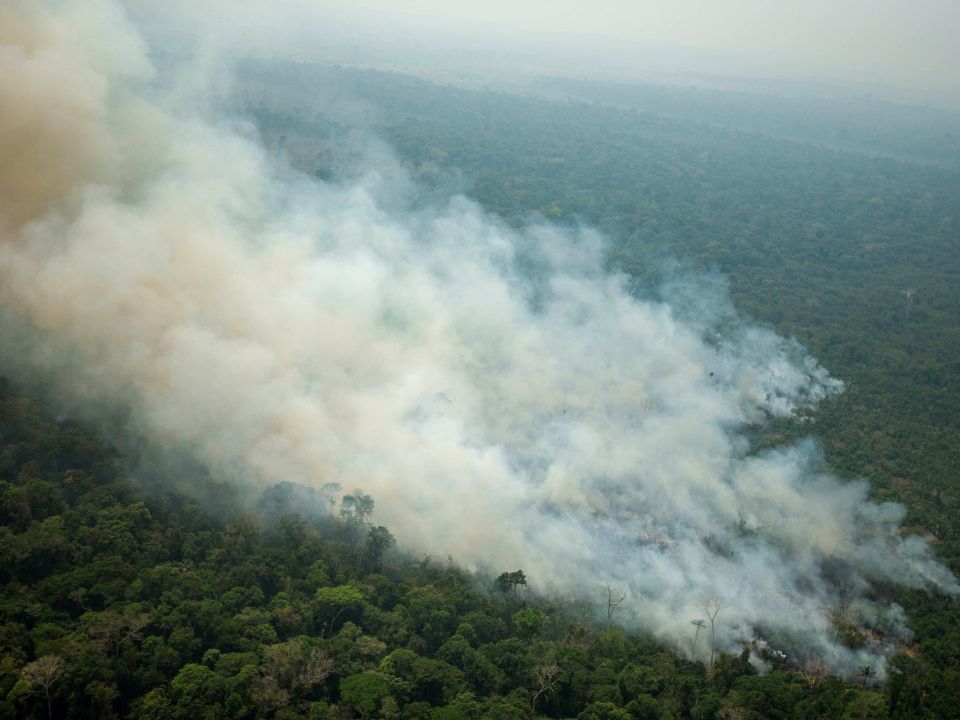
866,672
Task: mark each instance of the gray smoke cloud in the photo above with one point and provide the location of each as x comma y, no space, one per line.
285,329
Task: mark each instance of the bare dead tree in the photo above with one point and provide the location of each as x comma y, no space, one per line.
613,604
289,670
40,676
712,607
267,693
112,630
79,596
813,674
316,669
700,625
909,294
546,682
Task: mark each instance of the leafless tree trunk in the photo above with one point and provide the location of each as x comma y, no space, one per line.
700,624
713,607
613,604
546,679
42,674
813,674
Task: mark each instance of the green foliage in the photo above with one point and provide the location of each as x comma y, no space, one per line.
510,581
339,596
603,711
364,692
529,622
198,692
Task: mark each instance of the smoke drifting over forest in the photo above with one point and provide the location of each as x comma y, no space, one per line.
502,397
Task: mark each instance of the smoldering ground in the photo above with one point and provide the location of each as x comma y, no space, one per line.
284,329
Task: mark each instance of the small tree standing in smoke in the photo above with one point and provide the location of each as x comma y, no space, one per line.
508,581
379,539
332,489
700,625
356,510
712,607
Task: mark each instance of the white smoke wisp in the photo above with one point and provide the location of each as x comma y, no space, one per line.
284,329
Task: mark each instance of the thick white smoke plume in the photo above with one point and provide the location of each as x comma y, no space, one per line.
283,329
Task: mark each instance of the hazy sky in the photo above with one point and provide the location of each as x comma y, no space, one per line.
910,42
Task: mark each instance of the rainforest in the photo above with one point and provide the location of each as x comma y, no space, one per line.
436,374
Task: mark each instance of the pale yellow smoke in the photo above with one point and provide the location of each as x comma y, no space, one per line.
51,114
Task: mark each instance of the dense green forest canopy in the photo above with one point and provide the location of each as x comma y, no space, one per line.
124,597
